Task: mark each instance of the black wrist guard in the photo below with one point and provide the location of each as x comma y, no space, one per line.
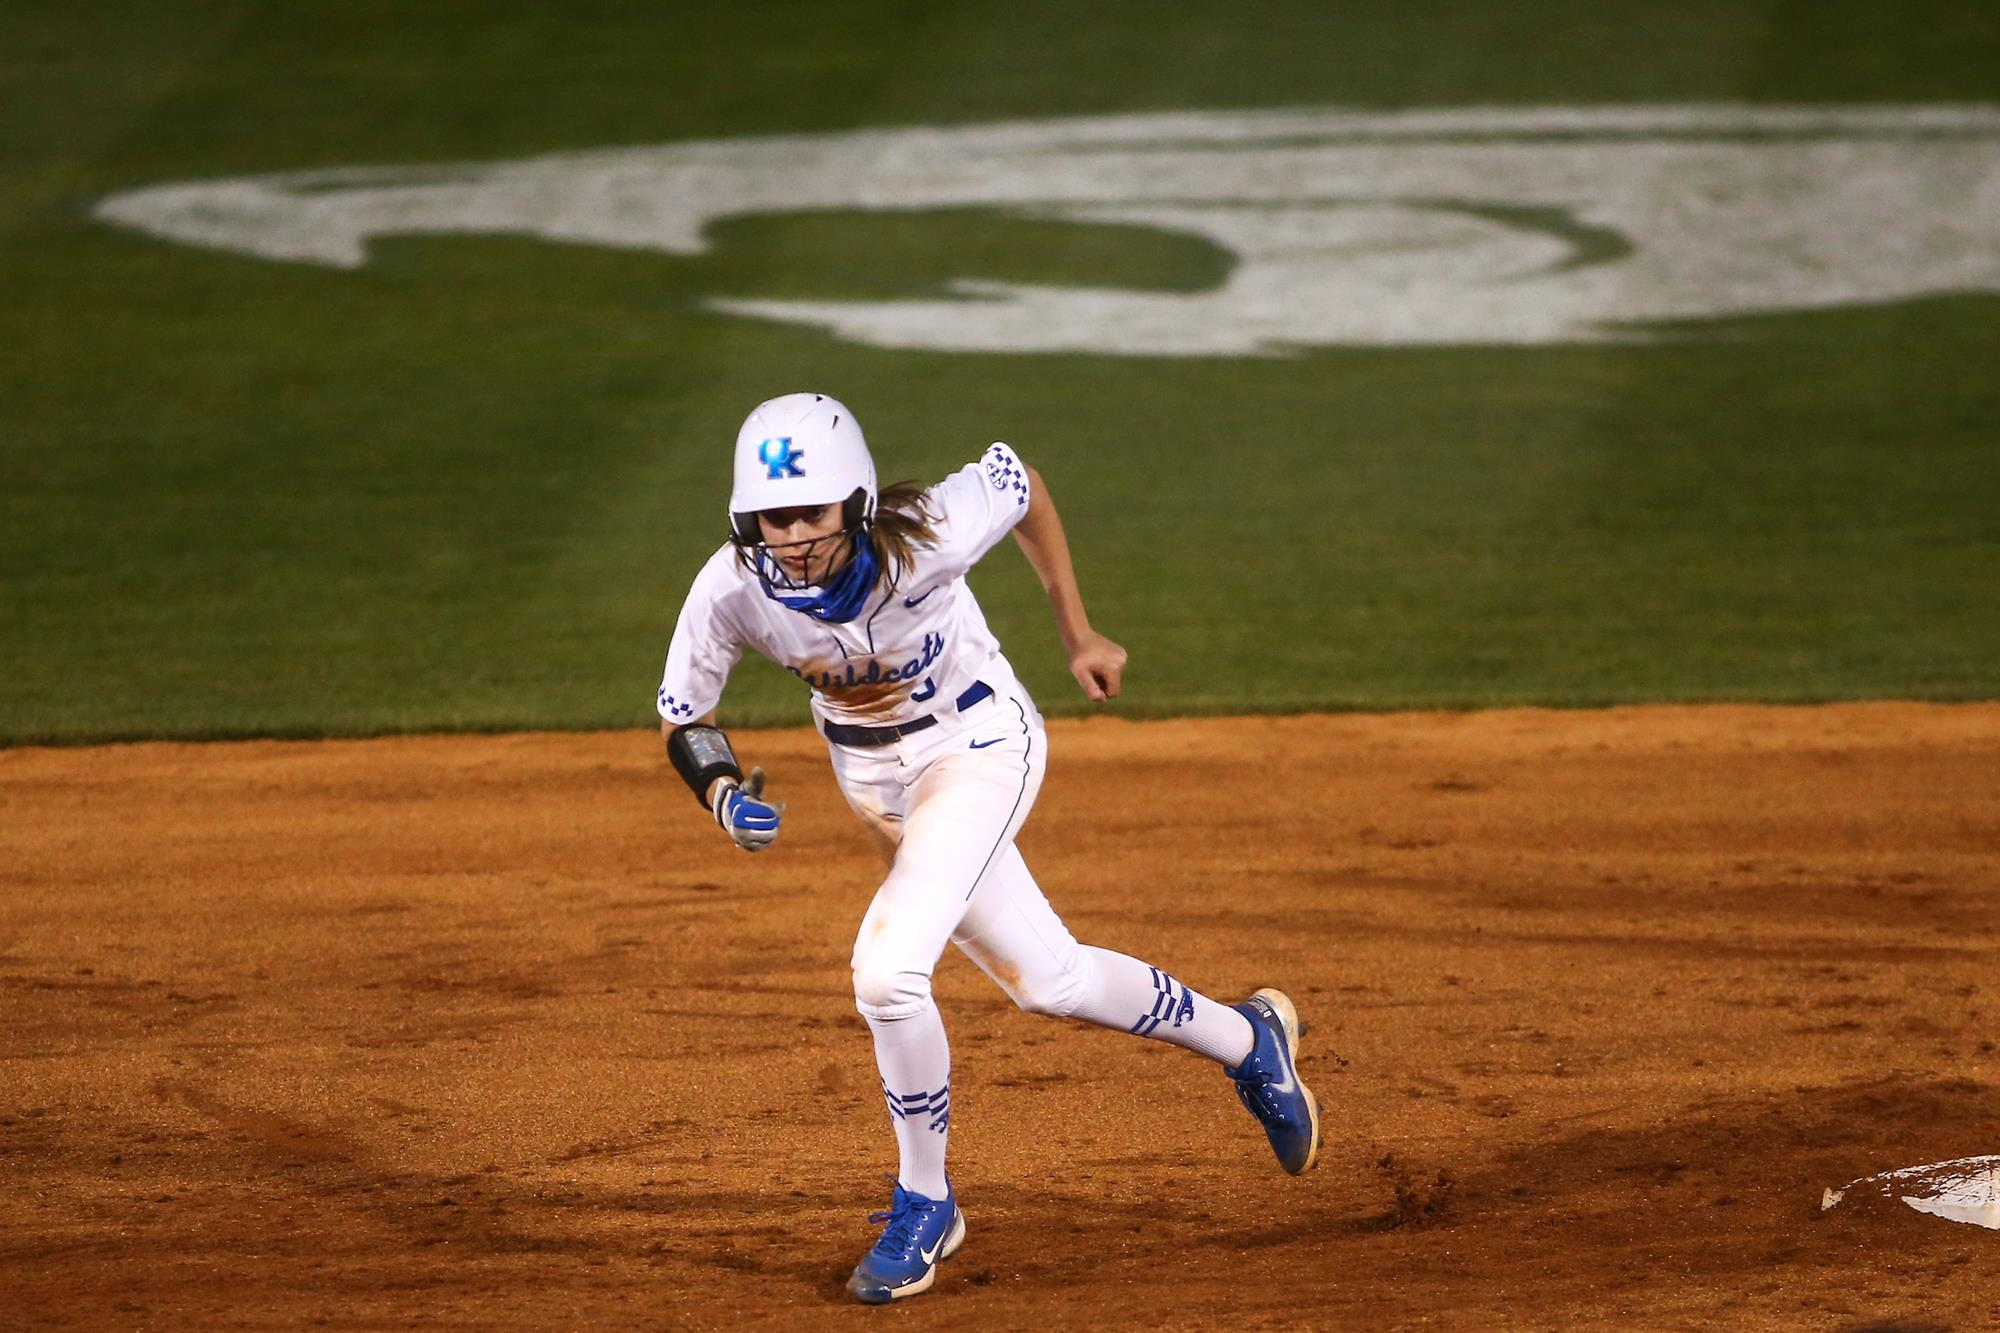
701,754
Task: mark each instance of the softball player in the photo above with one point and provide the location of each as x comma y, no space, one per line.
941,752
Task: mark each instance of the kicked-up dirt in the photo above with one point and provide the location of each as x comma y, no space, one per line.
500,1032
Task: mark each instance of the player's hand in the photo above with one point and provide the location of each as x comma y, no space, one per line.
744,813
1097,663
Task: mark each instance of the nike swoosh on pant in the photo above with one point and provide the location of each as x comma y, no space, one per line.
980,745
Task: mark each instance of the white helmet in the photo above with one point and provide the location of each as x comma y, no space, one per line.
800,449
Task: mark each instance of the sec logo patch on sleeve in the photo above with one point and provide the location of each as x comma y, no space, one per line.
1005,472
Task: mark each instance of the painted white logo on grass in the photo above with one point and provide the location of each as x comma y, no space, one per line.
1468,226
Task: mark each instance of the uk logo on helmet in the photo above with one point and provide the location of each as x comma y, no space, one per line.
779,459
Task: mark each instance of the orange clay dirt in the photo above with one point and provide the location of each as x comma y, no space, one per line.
500,1032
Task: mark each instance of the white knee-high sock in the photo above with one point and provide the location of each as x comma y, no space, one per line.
1121,992
915,1063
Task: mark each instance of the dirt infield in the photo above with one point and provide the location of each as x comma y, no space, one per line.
495,1032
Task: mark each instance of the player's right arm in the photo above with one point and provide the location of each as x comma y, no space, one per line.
667,730
701,753
707,644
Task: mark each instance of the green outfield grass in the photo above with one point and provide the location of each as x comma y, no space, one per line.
467,485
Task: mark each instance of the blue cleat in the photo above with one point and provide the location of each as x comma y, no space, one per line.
1268,1082
921,1233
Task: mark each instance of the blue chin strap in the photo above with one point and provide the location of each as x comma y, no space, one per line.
841,598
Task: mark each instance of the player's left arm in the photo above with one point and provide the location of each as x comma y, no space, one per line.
1095,661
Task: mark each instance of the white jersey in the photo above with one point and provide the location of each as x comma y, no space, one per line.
914,648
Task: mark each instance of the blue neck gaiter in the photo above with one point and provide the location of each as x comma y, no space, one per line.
841,598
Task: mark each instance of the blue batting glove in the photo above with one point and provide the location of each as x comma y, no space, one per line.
745,815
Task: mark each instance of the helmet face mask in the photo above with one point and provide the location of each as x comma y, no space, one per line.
827,551
799,451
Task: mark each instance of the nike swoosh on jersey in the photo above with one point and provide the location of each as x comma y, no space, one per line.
912,601
980,745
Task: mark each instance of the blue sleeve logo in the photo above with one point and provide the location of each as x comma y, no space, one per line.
1004,470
